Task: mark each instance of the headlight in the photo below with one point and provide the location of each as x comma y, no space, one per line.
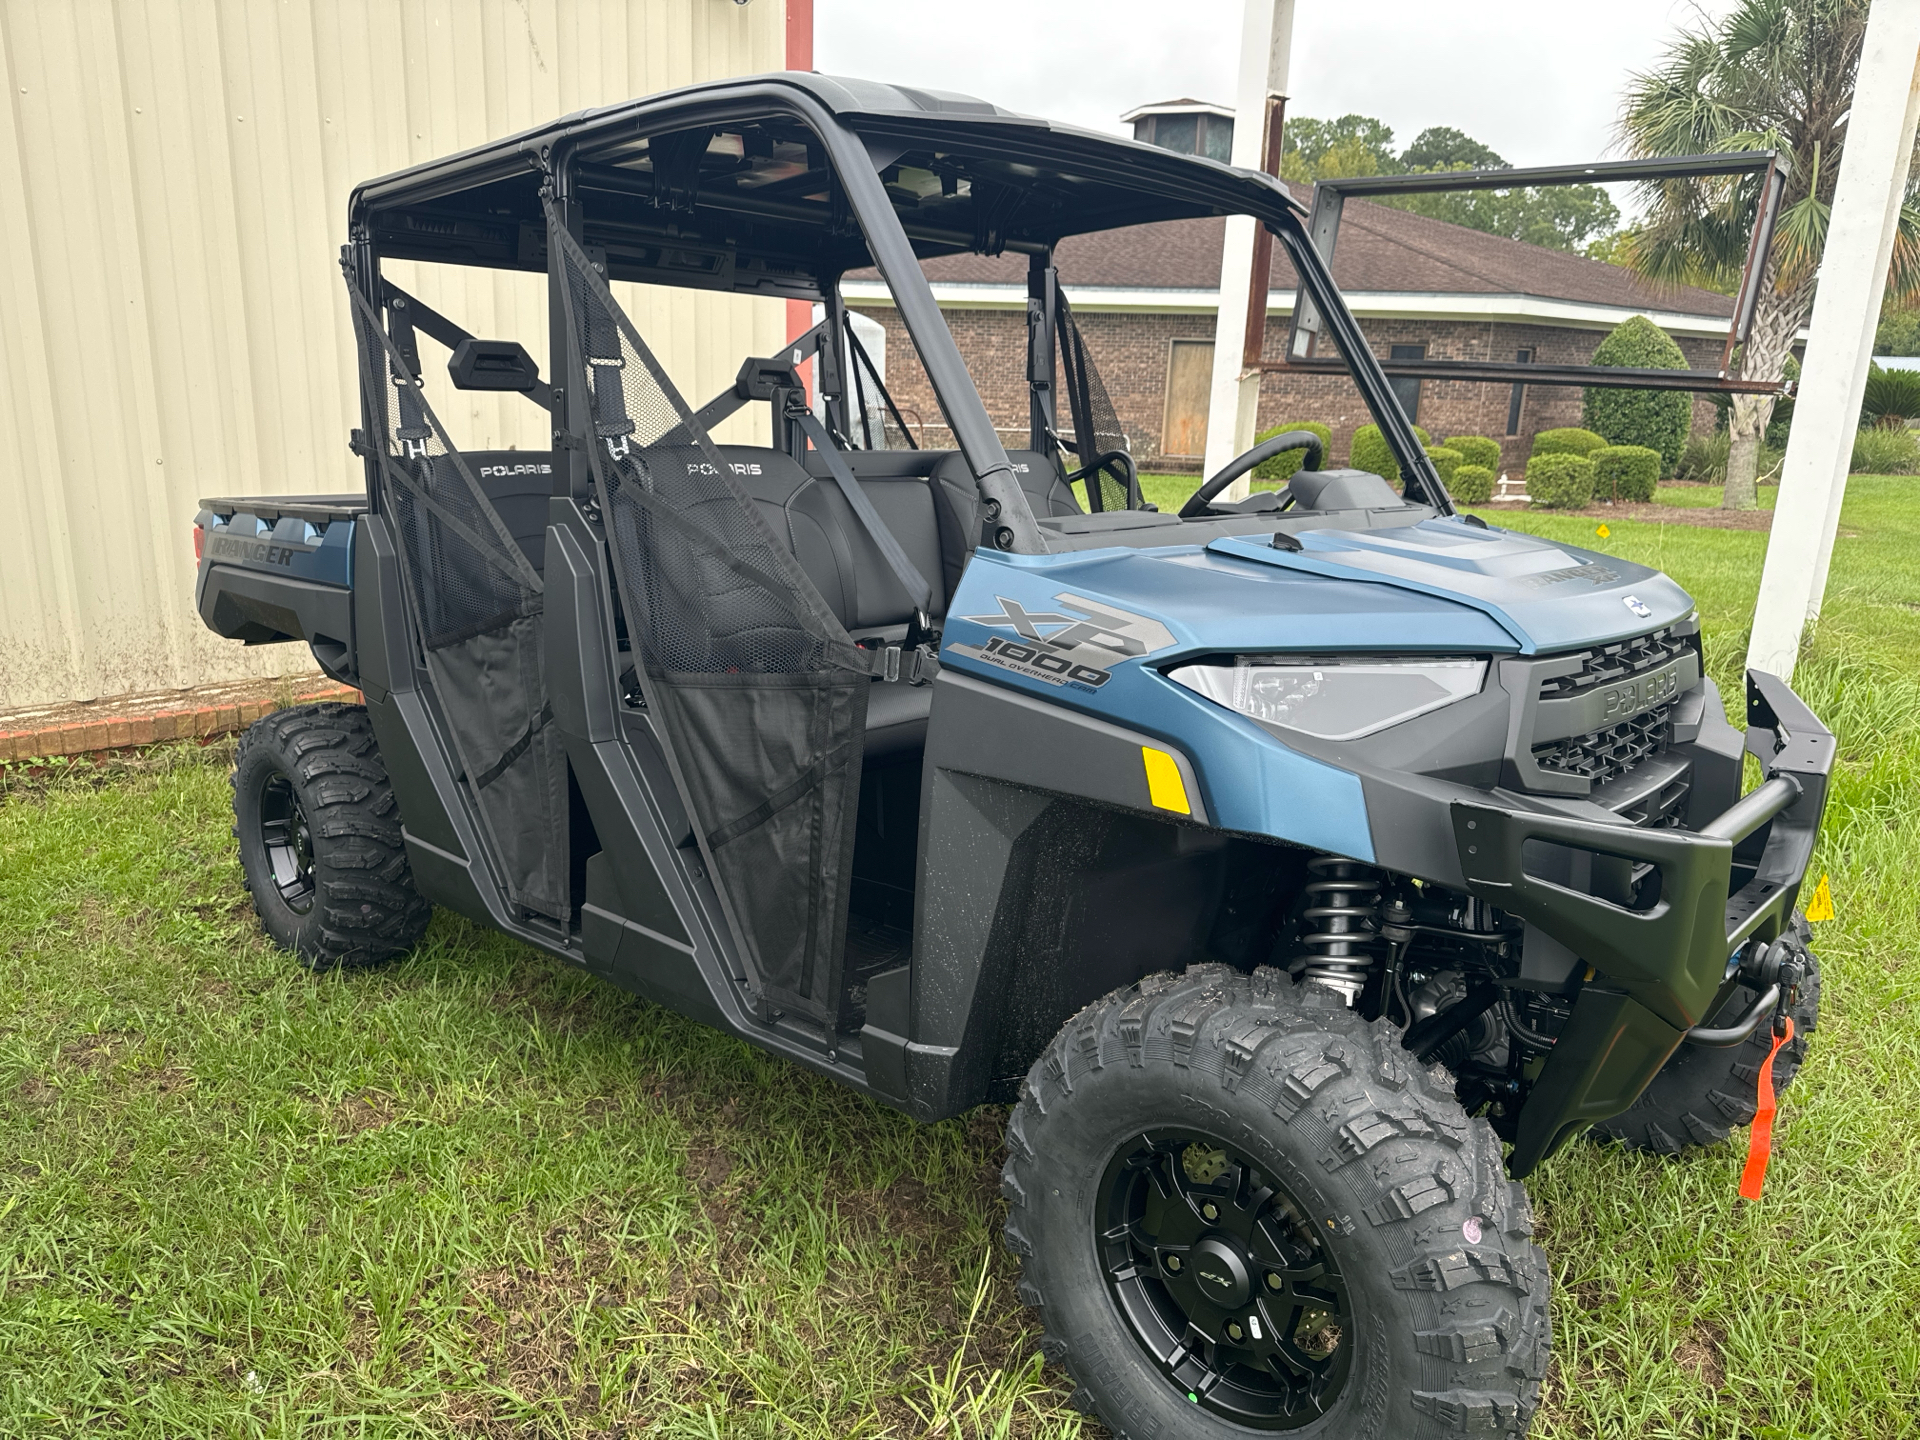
1334,699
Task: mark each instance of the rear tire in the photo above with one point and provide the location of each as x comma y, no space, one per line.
1352,1258
1702,1095
320,840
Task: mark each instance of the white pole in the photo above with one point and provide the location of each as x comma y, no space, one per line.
1266,39
1853,275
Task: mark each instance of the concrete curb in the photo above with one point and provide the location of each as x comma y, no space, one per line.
128,730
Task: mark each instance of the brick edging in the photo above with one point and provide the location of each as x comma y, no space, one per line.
203,723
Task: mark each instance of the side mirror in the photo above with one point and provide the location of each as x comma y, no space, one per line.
492,365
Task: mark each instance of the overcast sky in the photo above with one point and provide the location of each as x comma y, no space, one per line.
1538,80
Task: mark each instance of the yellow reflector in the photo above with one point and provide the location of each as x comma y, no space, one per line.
1164,786
1820,907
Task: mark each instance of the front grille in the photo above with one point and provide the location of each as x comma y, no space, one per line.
1604,664
1612,751
1608,756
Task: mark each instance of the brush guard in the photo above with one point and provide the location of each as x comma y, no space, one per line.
1666,955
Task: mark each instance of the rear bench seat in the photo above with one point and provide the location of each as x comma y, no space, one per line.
810,515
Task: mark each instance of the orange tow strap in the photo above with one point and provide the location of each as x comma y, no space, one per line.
1760,1139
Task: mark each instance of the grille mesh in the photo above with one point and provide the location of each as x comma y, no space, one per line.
1605,664
1613,750
1610,752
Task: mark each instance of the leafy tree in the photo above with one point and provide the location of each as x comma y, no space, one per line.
1561,218
1325,149
1441,147
1557,217
1769,74
1899,332
1656,419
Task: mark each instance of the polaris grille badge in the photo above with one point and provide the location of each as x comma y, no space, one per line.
1637,606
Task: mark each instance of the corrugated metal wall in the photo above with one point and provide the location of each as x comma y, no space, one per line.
173,187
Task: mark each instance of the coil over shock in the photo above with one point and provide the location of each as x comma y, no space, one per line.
1340,924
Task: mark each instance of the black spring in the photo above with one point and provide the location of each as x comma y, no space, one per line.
1340,924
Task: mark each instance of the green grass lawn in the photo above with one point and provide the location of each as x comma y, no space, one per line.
477,1193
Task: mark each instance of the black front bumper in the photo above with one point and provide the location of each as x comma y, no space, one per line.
1659,948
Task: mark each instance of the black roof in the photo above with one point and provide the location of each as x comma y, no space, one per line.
739,175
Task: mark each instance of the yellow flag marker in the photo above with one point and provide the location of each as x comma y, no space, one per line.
1164,786
1603,532
1820,907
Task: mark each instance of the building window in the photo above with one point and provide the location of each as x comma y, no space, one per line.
1188,134
1219,138
1189,383
1521,357
1407,387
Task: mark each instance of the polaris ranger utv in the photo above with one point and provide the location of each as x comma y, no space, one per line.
1281,860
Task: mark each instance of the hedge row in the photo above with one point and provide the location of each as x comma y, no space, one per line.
1369,452
1625,472
1559,480
1472,484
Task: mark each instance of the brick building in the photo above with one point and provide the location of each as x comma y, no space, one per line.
1145,299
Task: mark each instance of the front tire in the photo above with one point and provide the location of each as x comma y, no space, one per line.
1241,1208
1702,1094
320,840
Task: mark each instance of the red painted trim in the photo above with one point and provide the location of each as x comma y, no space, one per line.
799,34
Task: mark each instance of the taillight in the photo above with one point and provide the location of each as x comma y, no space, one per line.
199,543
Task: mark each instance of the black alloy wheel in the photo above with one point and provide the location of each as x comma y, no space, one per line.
1242,1208
320,838
1222,1280
287,840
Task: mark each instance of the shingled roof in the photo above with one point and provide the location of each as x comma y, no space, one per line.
1380,250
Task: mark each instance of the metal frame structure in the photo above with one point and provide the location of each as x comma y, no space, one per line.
1329,200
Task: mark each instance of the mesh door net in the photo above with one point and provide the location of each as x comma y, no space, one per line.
761,693
478,600
1100,444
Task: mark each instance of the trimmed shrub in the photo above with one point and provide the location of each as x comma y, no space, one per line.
1568,440
1446,460
1885,452
1625,472
1656,419
1369,452
1471,485
1559,482
1282,466
1477,448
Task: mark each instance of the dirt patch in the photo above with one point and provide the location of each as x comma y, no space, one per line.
1699,1354
363,1111
34,1091
99,1052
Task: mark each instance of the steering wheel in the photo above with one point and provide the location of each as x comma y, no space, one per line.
1240,465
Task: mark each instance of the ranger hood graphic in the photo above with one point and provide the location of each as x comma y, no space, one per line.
1075,648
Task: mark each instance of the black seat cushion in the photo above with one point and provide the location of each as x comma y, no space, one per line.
963,529
833,547
519,483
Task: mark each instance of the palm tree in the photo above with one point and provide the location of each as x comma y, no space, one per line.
1770,74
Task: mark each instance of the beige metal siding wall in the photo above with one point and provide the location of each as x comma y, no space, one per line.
173,188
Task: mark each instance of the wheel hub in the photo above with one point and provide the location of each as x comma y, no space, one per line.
1223,1280
288,841
1221,1271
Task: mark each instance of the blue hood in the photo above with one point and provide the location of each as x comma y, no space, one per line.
1093,629
1545,595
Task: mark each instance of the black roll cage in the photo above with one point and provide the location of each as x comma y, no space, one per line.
857,142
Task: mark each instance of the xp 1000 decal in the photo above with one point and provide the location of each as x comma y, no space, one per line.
1077,649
